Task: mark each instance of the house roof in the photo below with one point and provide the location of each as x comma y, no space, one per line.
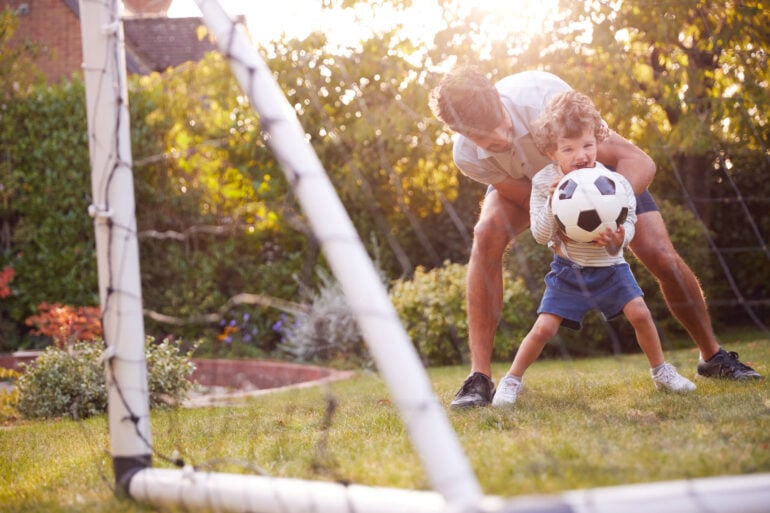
156,43
74,6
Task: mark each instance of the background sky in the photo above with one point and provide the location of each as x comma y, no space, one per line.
268,19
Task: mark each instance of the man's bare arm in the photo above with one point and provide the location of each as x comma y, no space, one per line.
516,190
628,160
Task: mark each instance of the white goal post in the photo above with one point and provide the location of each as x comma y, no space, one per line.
448,471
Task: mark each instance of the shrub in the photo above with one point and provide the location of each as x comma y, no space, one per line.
66,324
326,331
65,382
9,396
46,191
69,381
6,277
432,308
168,372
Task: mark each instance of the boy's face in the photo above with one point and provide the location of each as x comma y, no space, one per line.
575,152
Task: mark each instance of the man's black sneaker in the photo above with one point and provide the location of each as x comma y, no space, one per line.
725,364
477,390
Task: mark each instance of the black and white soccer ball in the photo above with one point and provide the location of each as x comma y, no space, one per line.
588,201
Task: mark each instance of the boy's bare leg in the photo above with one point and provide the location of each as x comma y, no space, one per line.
542,331
639,316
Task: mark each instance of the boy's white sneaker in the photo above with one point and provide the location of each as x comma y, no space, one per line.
667,378
507,391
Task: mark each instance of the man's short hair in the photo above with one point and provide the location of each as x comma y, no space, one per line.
467,102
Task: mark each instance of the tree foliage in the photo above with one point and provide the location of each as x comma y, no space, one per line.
686,81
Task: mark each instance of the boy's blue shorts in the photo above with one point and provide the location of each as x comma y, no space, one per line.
571,291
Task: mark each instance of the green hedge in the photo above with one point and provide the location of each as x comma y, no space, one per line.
230,187
200,163
47,191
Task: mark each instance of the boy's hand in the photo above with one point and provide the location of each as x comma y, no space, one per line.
612,241
552,188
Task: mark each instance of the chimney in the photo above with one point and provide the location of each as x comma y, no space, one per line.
147,7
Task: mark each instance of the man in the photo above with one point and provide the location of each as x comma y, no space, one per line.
494,146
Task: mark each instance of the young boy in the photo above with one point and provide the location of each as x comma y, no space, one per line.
583,276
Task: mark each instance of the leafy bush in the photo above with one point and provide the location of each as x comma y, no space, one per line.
69,382
46,189
432,307
168,372
225,202
66,324
6,277
64,382
9,396
326,331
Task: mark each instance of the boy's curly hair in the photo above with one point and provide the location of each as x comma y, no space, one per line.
467,102
567,114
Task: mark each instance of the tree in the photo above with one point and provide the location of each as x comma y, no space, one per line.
17,74
685,80
17,69
688,82
365,111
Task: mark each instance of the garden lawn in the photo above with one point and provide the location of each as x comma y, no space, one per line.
577,424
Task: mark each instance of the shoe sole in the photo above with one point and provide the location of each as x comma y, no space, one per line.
729,378
469,405
681,391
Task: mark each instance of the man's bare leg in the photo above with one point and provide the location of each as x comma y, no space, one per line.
681,289
684,297
499,223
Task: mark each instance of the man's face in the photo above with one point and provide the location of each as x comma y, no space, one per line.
500,140
575,152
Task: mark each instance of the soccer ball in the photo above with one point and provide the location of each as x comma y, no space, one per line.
588,201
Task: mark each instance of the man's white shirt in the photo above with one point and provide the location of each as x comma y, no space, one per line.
524,96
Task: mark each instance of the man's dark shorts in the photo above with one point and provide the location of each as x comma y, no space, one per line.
645,203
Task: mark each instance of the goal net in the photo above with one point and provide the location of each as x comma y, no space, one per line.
453,485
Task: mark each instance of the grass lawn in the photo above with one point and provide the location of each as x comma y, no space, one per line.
577,424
